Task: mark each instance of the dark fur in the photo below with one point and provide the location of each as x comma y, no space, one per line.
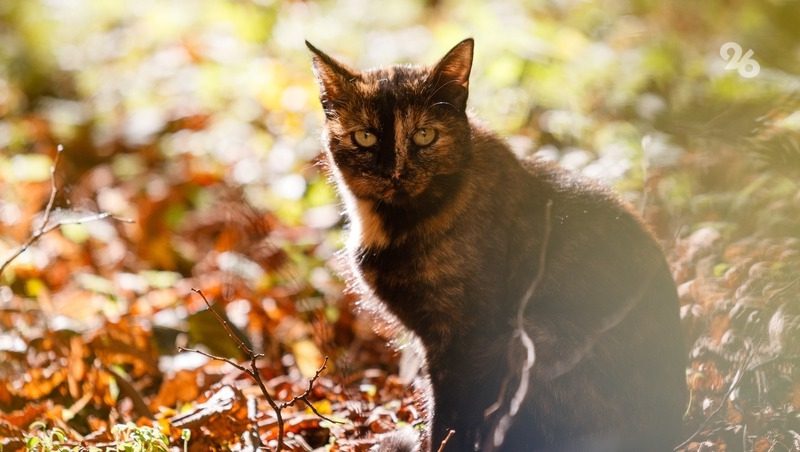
449,238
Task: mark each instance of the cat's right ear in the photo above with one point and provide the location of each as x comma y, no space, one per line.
332,76
452,73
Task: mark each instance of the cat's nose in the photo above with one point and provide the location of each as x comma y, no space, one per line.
397,175
398,171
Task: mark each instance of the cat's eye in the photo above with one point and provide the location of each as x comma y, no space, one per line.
364,138
424,136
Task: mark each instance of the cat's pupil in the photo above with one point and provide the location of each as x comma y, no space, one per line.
424,137
364,138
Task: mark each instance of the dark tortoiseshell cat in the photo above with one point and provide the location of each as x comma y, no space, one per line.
447,231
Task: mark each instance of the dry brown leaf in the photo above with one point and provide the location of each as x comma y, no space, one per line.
76,365
23,417
126,343
182,387
222,416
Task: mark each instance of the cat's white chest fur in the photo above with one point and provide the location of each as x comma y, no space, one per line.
366,228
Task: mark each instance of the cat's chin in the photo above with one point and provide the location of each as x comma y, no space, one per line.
392,198
392,195
396,196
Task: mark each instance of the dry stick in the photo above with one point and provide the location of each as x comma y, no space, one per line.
256,375
734,383
501,428
744,437
252,371
450,434
44,228
236,339
307,392
47,211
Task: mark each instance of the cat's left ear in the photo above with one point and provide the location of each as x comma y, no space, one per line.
452,72
332,76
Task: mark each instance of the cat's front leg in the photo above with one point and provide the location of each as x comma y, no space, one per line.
454,411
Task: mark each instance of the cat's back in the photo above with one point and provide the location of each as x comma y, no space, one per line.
604,317
521,188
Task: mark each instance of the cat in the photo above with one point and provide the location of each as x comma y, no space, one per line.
454,236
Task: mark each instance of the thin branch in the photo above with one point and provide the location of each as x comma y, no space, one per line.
256,375
548,227
234,337
310,386
53,189
737,378
216,358
19,251
503,424
307,392
568,361
45,227
253,372
46,216
450,434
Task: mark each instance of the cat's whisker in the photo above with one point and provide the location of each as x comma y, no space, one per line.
440,87
444,103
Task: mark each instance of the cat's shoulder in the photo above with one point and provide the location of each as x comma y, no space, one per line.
542,177
578,193
566,182
494,152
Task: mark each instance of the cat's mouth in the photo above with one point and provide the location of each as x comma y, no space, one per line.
395,193
384,190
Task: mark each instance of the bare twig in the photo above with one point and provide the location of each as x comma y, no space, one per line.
568,361
450,434
737,378
254,373
744,436
44,227
215,357
503,424
234,337
46,216
53,188
541,270
307,392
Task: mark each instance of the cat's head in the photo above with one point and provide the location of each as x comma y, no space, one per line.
395,133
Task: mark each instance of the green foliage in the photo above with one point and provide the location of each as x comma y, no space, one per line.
186,435
127,437
132,438
41,439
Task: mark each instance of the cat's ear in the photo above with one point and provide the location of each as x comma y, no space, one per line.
451,73
332,76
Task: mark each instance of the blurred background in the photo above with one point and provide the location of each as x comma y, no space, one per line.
199,121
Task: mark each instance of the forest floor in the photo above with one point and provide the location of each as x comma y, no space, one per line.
92,353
